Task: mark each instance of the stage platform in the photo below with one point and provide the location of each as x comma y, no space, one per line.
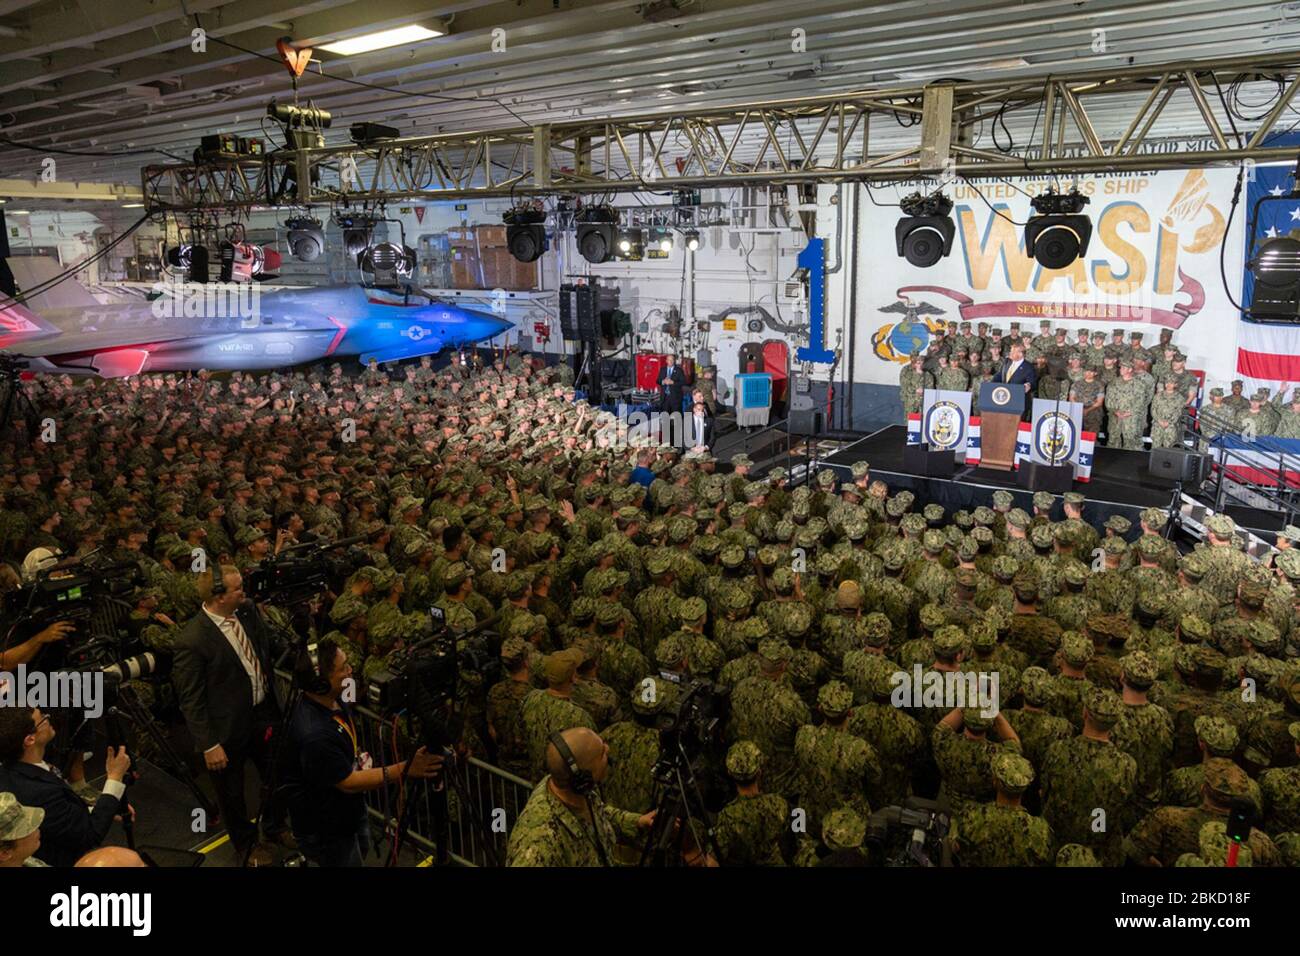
1120,483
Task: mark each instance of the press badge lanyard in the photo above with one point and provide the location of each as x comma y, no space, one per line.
360,760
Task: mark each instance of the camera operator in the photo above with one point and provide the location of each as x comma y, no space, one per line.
325,774
222,675
565,822
70,828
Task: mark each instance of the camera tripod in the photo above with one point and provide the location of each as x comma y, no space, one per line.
680,814
11,370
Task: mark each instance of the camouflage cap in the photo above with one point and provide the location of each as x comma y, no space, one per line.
1213,844
1017,518
1226,781
1002,500
848,595
933,541
17,822
932,513
671,651
1076,649
517,584
524,625
976,720
1219,736
859,469
774,651
1154,518
795,620
834,699
744,761
1288,562
826,477
1076,854
913,524
1114,546
777,474
1043,500
609,614
659,562
247,536
513,650
732,556
932,617
1104,706
1150,546
741,461
1119,524
1074,572
1139,670
1291,533
983,635
1221,526
1041,536
691,610
1293,729
1012,772
457,573
948,641
1004,568
1036,685
843,829
648,695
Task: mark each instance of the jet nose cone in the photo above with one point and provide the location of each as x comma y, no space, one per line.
490,326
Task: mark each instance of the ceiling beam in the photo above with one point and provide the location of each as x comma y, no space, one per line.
96,192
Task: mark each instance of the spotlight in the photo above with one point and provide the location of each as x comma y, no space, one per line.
597,227
630,244
691,238
356,233
924,235
306,238
661,239
526,233
1277,280
179,257
244,262
1058,235
387,262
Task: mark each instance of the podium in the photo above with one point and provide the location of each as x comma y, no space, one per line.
1001,407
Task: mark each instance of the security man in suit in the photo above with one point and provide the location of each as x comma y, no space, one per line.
222,675
671,382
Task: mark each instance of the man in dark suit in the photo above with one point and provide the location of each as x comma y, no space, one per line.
1016,371
700,426
70,828
671,381
222,674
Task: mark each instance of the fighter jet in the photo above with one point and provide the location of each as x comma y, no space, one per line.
233,326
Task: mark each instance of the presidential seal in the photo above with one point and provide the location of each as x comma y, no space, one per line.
1001,395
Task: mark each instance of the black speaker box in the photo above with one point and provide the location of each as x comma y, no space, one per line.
1178,464
919,460
807,421
1057,479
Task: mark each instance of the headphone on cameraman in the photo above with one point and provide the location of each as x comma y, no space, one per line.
218,581
315,679
581,781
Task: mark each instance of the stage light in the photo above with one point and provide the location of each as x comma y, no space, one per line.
1058,234
244,262
306,238
661,239
924,235
630,243
178,257
691,238
597,228
1277,280
387,262
356,233
526,233
368,42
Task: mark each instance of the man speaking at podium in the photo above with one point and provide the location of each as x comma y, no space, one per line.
1016,371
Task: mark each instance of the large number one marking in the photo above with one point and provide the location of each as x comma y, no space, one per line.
813,258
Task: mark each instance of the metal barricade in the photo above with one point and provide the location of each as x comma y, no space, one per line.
483,801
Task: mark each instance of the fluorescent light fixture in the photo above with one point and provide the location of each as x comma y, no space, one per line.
20,212
132,205
381,40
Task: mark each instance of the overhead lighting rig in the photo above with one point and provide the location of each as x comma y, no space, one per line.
526,232
597,231
1058,234
924,235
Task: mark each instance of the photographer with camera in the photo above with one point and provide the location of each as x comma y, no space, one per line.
565,822
324,774
221,673
70,828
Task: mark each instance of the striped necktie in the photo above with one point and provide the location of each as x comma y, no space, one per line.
246,651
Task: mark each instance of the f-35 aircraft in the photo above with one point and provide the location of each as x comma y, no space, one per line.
232,326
